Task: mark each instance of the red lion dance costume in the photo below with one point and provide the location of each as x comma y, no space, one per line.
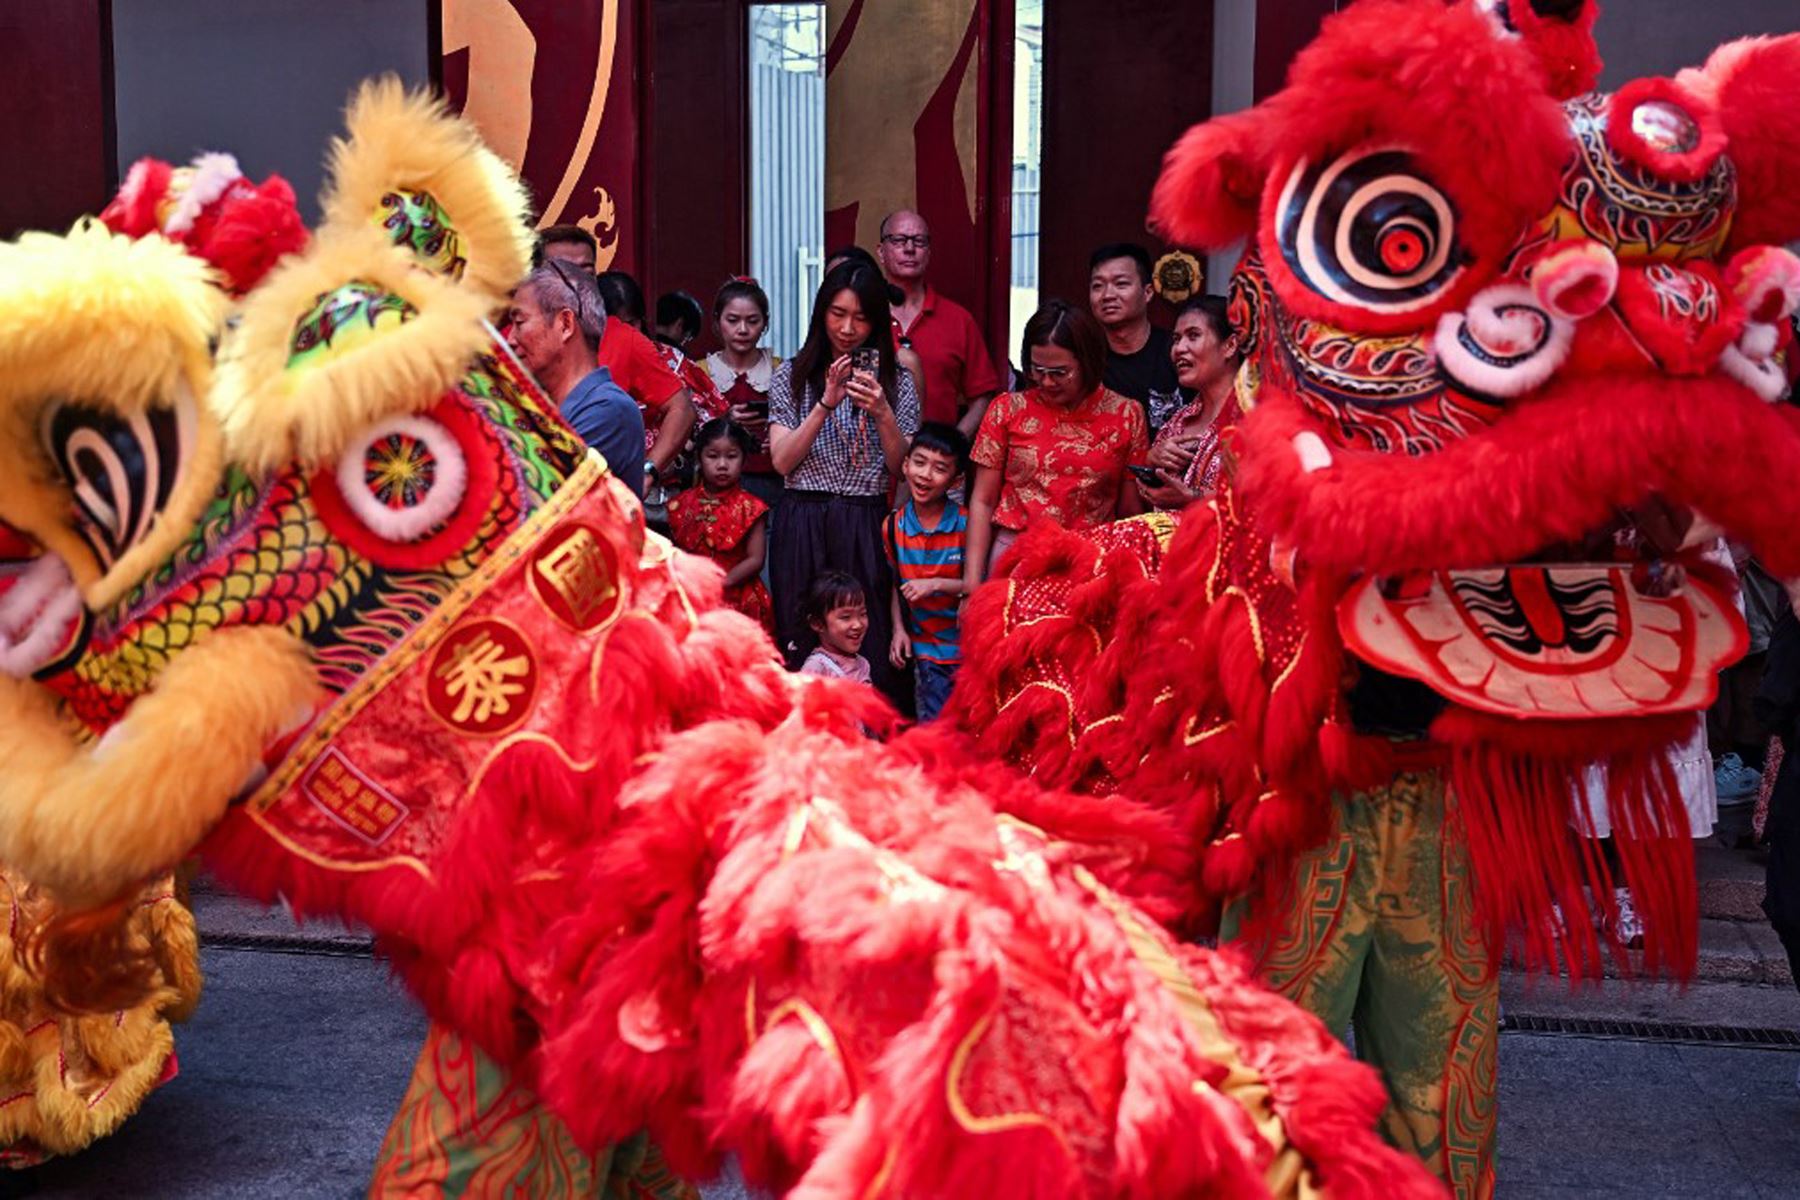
330,588
1488,313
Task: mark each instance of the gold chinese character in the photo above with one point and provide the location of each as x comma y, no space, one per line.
577,570
481,677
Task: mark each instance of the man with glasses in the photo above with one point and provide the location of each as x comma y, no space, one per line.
554,327
959,376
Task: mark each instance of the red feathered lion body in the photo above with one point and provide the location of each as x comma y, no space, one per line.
1486,313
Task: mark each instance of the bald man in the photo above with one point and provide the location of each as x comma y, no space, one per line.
959,377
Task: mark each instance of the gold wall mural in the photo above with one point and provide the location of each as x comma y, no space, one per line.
552,86
903,118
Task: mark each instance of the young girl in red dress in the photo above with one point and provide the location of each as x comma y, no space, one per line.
740,374
721,521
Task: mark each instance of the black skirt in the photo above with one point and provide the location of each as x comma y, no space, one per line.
818,531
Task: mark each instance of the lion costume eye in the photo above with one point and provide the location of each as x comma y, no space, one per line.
410,490
404,477
1370,230
121,470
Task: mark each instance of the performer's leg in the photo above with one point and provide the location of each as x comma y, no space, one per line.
465,1129
1428,1016
1312,944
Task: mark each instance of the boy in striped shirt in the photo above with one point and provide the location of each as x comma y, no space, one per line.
924,540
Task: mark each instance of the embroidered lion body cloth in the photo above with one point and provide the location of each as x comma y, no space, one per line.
1500,329
330,589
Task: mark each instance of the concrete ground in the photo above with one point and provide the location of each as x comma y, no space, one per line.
295,1061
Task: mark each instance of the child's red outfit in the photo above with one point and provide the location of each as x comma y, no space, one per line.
716,526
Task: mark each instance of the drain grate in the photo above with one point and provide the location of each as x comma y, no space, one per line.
267,943
1654,1031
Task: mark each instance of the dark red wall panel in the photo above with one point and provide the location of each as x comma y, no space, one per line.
1283,28
697,227
55,113
1122,81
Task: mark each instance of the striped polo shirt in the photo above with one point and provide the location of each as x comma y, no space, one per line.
916,552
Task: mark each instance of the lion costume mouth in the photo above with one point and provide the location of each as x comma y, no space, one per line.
42,618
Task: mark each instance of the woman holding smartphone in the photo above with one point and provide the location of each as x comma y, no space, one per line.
741,370
840,416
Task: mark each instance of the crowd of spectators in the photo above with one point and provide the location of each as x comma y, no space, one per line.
857,493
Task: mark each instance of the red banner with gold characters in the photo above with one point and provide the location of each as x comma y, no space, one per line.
552,85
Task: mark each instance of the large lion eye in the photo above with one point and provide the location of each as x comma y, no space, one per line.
1369,230
121,470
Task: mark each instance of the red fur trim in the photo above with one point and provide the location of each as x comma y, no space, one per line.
1567,50
1684,166
1207,195
1752,83
133,211
1374,67
248,230
1324,1102
1553,469
1513,787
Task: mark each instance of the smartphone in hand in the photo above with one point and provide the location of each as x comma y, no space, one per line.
1148,476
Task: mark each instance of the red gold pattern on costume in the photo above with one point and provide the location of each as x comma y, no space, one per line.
575,575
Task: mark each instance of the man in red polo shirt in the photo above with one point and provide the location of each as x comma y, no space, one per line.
959,376
637,365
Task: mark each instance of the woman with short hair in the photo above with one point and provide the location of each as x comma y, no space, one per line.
1057,451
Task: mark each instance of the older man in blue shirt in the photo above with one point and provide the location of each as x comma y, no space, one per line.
554,327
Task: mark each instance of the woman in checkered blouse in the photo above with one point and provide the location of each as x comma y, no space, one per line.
840,416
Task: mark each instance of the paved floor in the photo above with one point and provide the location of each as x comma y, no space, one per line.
294,1063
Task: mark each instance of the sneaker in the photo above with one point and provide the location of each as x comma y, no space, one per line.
1628,927
1734,781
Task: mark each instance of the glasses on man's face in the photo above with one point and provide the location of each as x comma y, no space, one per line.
917,241
1049,374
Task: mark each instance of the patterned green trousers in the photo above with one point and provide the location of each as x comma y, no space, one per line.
1378,935
466,1130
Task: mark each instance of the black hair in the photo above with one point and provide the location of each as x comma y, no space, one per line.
742,288
552,235
680,308
857,254
872,293
624,298
1213,310
722,427
1136,253
1059,323
829,590
943,438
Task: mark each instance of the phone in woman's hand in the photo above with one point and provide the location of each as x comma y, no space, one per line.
866,359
